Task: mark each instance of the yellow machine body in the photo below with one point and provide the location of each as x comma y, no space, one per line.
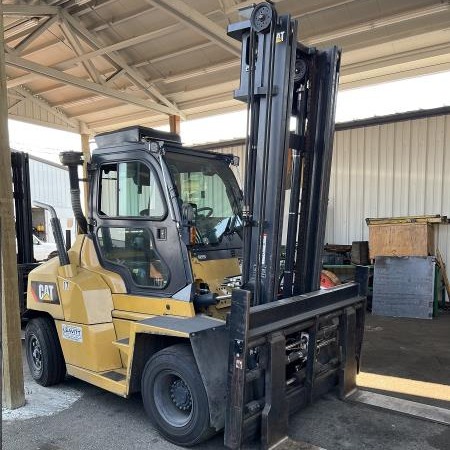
98,323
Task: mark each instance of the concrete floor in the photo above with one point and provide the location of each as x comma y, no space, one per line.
405,348
412,349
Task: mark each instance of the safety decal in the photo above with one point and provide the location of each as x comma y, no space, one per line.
72,333
280,37
45,292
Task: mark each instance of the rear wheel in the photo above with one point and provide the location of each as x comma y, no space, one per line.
44,354
174,396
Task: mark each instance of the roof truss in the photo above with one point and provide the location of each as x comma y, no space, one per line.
25,95
199,22
106,91
74,33
160,85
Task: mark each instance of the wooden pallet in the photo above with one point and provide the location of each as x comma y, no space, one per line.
435,218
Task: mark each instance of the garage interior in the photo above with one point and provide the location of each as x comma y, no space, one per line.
95,66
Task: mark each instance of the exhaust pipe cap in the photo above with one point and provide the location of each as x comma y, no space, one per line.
71,158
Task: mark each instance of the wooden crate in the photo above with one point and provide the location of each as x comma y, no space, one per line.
401,239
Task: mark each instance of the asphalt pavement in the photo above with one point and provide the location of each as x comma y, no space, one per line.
98,420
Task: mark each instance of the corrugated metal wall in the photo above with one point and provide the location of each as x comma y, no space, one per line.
397,168
394,169
49,183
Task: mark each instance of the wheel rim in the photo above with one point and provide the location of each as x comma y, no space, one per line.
35,352
173,398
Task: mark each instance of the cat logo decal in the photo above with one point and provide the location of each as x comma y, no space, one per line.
45,292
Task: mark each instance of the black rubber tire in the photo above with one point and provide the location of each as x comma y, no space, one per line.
177,361
44,355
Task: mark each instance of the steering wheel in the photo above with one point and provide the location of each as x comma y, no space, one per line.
206,208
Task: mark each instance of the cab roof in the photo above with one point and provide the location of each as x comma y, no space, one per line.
111,141
134,134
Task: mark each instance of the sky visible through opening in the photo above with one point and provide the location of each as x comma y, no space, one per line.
424,92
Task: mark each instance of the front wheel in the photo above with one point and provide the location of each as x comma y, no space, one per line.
44,354
174,396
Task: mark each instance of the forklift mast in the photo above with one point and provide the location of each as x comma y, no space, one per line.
289,341
24,227
22,206
284,81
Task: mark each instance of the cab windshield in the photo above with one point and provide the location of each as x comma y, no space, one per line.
209,186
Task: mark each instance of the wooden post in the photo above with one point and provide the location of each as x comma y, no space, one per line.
174,123
86,158
13,390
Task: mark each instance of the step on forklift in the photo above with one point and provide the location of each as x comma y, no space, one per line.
176,287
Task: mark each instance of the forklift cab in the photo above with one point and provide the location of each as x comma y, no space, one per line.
158,210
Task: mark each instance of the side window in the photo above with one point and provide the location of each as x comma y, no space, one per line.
130,189
134,249
108,190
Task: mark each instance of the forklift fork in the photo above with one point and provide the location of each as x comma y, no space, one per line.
333,322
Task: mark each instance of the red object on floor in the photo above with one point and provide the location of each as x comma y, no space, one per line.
328,279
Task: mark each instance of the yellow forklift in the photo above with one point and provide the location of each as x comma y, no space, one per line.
177,285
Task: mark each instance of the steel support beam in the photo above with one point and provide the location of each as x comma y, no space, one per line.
199,22
23,29
155,33
84,84
231,64
319,9
396,59
89,8
379,23
243,4
347,70
124,44
181,52
125,120
228,105
114,73
78,49
117,74
13,82
29,10
34,35
312,39
121,19
119,62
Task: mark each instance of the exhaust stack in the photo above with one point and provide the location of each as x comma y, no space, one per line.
72,160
